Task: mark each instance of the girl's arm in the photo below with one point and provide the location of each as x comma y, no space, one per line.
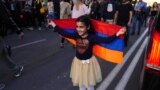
63,32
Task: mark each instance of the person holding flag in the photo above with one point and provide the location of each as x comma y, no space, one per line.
85,69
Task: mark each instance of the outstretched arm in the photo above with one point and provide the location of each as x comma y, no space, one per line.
63,32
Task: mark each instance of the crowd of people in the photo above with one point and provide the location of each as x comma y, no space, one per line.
37,14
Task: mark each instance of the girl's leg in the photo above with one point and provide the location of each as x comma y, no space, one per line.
90,88
82,88
62,42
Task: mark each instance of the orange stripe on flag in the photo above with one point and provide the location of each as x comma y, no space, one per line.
108,55
72,41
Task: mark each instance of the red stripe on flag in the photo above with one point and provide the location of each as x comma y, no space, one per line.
66,23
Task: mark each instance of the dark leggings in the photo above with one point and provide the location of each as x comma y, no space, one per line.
62,40
4,55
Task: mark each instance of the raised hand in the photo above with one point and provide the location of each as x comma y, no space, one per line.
121,31
52,23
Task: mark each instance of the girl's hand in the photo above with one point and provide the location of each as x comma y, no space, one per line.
121,31
52,24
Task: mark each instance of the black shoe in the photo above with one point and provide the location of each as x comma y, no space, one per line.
2,86
61,45
18,72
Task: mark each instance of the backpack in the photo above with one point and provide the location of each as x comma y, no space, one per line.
42,10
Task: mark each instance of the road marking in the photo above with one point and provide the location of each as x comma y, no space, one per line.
107,81
31,43
123,82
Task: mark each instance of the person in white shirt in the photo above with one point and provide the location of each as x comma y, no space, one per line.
50,7
80,9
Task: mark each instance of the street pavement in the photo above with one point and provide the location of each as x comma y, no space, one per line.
47,66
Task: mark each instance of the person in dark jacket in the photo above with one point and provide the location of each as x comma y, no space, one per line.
123,17
6,24
108,11
95,7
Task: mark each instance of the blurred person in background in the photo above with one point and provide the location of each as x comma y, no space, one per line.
123,17
65,12
139,11
95,7
80,9
154,9
152,14
50,9
40,13
108,11
6,24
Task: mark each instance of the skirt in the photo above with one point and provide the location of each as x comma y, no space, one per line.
85,73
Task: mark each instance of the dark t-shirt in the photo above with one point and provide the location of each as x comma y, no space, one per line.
105,14
6,21
123,16
154,13
84,45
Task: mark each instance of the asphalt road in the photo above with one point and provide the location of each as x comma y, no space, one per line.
47,66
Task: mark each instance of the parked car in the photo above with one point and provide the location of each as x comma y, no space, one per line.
151,79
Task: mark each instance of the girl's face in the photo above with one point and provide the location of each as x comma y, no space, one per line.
81,28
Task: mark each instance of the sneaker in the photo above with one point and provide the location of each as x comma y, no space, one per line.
18,72
2,86
61,45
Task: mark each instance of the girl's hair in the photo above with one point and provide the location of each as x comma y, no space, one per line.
86,20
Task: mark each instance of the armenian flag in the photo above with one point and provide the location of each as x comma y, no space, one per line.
112,52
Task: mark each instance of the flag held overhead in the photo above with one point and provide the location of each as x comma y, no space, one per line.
112,52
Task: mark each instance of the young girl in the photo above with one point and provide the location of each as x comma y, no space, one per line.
85,69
